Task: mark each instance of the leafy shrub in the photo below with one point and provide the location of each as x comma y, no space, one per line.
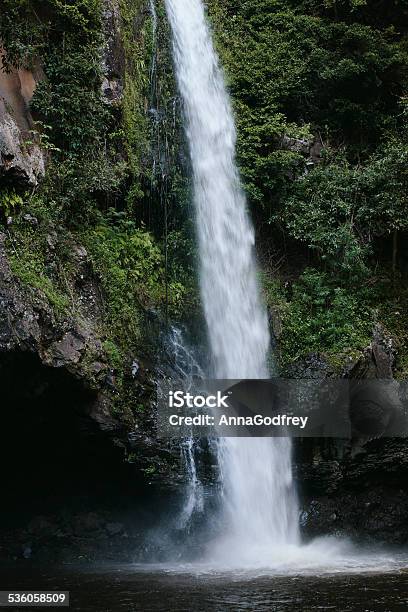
292,64
320,316
130,266
338,209
10,202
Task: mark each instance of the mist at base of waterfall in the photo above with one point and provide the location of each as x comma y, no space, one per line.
326,555
206,549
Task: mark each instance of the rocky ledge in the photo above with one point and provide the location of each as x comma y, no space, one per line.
356,487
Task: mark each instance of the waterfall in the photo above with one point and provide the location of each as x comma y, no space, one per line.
259,502
180,361
186,368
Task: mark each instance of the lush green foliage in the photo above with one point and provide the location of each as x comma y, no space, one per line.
319,315
130,266
331,72
288,70
301,72
393,312
27,26
98,167
338,209
30,261
10,203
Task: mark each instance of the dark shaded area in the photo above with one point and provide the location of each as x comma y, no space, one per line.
68,492
354,491
51,449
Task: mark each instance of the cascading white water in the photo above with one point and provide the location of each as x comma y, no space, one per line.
186,368
258,492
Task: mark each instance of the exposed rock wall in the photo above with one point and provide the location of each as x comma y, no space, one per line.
21,158
357,487
113,58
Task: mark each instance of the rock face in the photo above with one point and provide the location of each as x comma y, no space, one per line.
21,159
72,344
77,449
311,149
73,537
377,515
357,487
113,67
28,325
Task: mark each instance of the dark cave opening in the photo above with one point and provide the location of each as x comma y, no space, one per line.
59,471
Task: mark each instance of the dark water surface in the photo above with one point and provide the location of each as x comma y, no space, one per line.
127,589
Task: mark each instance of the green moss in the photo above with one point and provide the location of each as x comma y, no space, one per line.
30,262
136,82
115,357
30,271
320,316
130,266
